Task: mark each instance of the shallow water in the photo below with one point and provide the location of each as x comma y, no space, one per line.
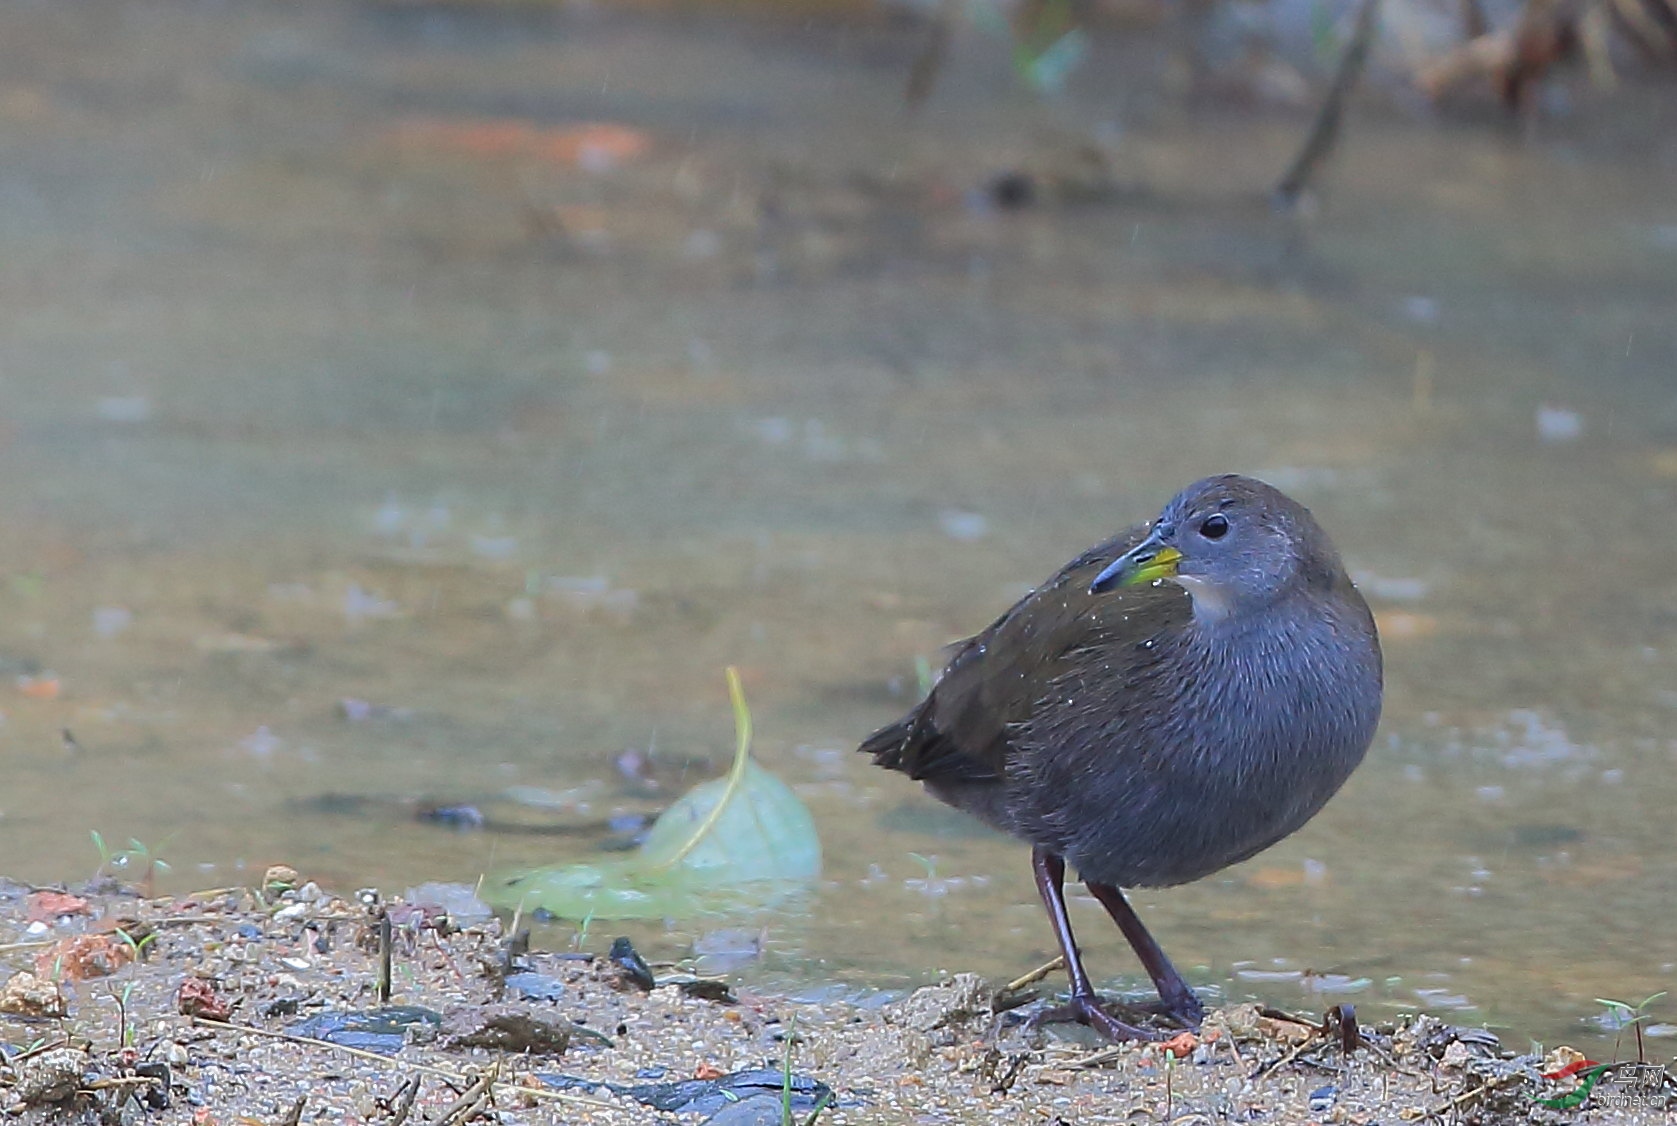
311,394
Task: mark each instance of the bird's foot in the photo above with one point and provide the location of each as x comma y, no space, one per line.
1088,1010
1183,1008
1184,1012
1189,1012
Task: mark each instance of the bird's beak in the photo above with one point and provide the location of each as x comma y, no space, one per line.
1141,564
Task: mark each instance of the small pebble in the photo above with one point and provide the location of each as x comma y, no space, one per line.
108,621
758,1110
535,987
1421,310
1556,424
123,408
963,526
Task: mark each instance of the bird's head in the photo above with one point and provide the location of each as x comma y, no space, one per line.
1234,543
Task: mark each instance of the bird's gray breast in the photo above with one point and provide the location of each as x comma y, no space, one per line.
1186,753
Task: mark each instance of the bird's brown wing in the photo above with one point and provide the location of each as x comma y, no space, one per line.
963,730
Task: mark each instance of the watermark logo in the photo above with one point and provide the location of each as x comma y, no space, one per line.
1632,1086
1615,1086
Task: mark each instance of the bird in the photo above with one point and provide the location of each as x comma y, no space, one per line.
1171,702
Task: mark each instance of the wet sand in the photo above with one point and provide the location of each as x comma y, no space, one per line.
234,1010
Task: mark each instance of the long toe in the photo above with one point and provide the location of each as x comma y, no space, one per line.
1185,1011
1088,1010
1191,1014
1185,1008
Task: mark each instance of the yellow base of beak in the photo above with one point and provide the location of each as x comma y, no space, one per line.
1161,566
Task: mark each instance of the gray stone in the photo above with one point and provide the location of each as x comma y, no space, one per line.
758,1110
956,1001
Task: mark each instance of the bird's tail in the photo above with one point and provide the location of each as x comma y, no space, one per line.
888,743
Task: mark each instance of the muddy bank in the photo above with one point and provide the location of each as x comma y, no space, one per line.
332,371
264,1005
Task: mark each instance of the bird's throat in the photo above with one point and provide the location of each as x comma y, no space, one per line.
1212,603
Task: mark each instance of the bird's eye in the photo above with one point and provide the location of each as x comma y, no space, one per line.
1215,526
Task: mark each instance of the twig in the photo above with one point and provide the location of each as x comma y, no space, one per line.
1100,1058
1304,1046
1647,31
1466,1097
1474,23
473,1100
230,920
928,62
1341,1020
295,1114
1398,1065
428,1069
39,1049
1234,1050
385,941
402,1104
453,962
10,946
117,1083
1034,976
1001,1085
191,920
1325,131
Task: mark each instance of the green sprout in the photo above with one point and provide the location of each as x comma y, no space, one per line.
786,1083
139,948
1631,1016
136,858
126,1027
580,939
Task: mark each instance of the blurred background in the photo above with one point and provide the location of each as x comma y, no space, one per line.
405,403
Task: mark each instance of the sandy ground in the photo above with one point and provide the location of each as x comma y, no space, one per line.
331,376
121,1008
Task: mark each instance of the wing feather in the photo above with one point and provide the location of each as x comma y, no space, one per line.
963,731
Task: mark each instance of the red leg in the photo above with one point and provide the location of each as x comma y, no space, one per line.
1178,996
1085,1006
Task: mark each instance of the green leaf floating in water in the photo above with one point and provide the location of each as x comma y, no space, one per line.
732,843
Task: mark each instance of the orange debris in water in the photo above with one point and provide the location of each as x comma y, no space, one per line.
1269,878
594,146
1401,625
39,687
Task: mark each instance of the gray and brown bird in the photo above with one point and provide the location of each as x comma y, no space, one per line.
1172,702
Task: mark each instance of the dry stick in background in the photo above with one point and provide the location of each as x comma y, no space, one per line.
928,64
474,1100
400,1104
1474,23
454,1080
1325,131
385,941
1654,23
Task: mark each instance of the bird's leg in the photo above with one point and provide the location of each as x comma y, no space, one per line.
1050,872
1180,1001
